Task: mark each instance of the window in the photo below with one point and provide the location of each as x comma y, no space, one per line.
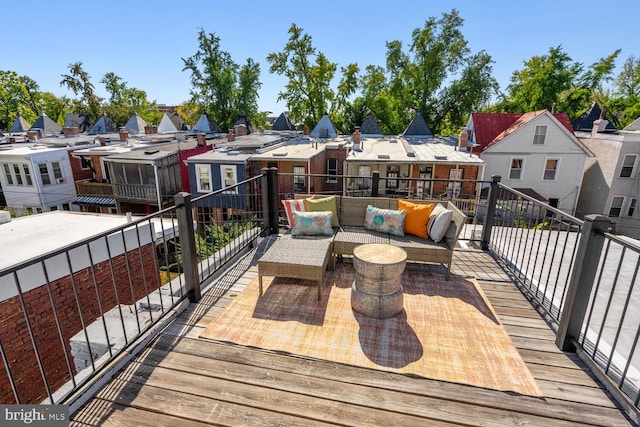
423,188
229,177
44,174
27,174
7,173
616,206
393,171
540,134
132,174
628,166
332,170
550,170
16,170
364,182
203,178
454,174
85,164
66,207
298,178
57,172
516,169
632,207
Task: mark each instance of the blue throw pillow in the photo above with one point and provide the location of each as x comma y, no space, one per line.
312,223
385,220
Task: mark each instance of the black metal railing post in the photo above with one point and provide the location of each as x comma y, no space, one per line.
265,200
375,183
582,279
187,245
272,184
491,211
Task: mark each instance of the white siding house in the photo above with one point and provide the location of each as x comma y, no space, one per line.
536,151
36,178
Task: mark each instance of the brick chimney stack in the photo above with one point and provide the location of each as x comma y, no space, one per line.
305,130
463,140
124,135
356,139
231,136
202,139
70,131
240,130
599,125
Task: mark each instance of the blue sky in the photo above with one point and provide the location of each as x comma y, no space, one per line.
143,42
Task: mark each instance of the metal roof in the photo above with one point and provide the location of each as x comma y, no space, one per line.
95,201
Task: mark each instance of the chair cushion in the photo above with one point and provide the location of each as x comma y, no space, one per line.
439,222
417,217
324,204
290,206
312,223
385,220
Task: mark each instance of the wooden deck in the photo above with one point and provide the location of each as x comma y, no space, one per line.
180,380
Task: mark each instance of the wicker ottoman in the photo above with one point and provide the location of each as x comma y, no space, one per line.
377,290
296,258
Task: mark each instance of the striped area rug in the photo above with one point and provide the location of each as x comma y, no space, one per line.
447,331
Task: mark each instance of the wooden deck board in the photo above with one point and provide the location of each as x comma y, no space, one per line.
180,379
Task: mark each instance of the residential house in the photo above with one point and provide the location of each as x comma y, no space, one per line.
611,184
147,178
536,153
77,120
38,178
136,125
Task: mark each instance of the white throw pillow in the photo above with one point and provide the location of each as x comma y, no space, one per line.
439,221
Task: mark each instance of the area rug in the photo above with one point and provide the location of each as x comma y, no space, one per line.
447,331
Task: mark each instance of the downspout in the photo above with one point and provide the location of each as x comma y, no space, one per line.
155,174
309,176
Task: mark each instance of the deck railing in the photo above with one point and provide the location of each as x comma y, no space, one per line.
67,314
583,278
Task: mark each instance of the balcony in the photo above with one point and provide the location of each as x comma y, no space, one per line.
138,193
88,187
530,261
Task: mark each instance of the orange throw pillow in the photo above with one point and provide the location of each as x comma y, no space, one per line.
417,217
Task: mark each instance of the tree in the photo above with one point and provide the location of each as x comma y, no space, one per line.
308,91
18,95
78,81
219,84
628,81
124,101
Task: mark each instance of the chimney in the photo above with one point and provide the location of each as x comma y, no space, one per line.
305,130
231,136
150,129
104,140
599,125
463,140
202,139
356,139
240,130
70,131
33,135
124,135
553,108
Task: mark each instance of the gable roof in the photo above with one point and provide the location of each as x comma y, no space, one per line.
324,129
634,125
205,124
79,120
103,125
490,128
585,121
135,124
177,121
166,125
370,126
19,125
418,127
283,123
47,125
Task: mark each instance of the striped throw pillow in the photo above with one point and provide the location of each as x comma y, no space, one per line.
290,206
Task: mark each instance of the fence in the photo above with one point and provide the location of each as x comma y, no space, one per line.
580,276
66,314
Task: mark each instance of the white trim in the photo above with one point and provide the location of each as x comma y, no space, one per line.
536,134
205,168
234,177
633,168
521,178
544,169
621,207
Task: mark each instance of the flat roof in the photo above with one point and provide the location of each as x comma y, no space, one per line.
219,156
254,140
34,235
300,148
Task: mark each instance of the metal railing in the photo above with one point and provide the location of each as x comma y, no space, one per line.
582,278
66,314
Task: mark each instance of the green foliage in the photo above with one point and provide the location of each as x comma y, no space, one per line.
124,101
308,91
79,82
218,83
16,97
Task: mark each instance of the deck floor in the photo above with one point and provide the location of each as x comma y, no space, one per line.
180,380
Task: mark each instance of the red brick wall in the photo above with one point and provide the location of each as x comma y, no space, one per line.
76,169
13,325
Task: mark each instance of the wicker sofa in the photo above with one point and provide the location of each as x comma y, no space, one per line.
351,212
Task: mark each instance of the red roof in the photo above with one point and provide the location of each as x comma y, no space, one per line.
490,128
